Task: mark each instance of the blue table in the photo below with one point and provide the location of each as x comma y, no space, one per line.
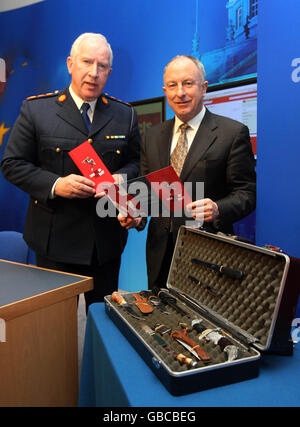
113,374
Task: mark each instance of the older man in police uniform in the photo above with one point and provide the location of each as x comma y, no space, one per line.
62,225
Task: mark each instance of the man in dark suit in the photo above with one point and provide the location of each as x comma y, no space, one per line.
61,224
217,152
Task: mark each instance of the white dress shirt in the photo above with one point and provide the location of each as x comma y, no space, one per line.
191,132
78,101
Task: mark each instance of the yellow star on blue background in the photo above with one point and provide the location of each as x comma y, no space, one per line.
3,131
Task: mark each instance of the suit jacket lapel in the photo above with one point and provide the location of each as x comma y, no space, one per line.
202,141
164,143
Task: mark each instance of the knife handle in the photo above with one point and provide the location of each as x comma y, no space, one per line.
115,296
234,274
185,360
194,346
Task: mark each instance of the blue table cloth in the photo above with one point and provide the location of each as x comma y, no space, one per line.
113,375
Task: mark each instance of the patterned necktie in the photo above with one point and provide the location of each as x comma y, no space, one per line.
180,151
85,106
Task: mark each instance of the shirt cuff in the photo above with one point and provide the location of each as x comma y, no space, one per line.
52,193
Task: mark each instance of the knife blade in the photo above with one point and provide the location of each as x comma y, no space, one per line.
179,336
189,348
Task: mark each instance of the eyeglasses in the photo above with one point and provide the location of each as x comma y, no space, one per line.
186,84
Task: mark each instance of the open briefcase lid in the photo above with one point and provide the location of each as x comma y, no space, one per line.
239,286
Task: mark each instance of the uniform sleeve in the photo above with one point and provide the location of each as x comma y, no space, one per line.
20,160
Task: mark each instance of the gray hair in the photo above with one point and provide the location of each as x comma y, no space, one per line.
90,36
196,61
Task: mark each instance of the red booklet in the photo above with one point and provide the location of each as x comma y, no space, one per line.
93,168
169,189
161,188
90,165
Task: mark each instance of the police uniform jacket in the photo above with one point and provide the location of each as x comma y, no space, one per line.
48,127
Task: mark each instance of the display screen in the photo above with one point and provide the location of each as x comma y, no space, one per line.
238,101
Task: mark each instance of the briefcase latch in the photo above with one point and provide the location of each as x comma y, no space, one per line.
156,362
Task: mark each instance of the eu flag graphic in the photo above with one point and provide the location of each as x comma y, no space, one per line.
21,75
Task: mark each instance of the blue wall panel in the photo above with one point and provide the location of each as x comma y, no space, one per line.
278,201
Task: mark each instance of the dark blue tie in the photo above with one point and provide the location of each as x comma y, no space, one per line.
85,106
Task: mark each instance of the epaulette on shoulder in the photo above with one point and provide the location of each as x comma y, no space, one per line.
44,95
115,99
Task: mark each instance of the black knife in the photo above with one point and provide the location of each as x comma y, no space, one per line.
209,288
171,301
234,274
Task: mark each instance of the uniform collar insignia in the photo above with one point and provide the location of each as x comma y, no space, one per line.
62,97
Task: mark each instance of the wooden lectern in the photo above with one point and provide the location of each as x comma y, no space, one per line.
38,335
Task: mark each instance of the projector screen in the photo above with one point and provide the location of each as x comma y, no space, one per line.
237,100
